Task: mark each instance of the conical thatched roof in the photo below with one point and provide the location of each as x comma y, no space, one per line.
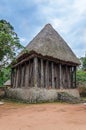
49,43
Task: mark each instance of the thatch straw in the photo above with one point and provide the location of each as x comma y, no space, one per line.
49,43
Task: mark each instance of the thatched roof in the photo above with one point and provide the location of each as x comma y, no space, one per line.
49,43
7,83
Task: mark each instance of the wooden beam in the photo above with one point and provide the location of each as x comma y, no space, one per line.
21,62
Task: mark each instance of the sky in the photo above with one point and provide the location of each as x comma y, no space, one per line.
28,17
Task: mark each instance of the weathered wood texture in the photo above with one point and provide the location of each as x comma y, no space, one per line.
37,72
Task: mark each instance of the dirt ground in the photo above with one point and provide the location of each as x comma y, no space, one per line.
53,116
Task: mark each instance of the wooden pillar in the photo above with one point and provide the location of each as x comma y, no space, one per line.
12,77
69,77
60,76
71,73
17,77
26,75
46,75
75,75
22,76
35,72
52,69
66,76
42,74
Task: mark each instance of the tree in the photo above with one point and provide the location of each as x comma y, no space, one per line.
83,63
9,46
9,43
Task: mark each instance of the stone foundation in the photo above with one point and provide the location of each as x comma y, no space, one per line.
34,95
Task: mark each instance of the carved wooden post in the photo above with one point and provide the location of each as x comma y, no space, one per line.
69,77
22,76
35,72
46,75
74,77
42,74
60,76
20,67
12,72
16,77
19,76
52,71
26,76
71,73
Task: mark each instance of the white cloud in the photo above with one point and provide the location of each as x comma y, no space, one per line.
66,16
23,41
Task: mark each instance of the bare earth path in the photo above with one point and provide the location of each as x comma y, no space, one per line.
54,116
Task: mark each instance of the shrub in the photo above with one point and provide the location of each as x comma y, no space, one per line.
82,90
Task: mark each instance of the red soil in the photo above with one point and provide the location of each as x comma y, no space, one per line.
54,116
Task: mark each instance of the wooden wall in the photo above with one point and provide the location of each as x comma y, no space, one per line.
37,72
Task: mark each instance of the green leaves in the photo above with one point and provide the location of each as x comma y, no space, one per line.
83,61
9,42
9,47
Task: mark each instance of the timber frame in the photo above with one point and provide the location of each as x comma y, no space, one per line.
44,72
48,63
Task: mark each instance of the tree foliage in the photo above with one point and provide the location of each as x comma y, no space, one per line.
9,43
83,63
5,75
9,47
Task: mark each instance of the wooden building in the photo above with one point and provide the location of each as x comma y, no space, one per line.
48,63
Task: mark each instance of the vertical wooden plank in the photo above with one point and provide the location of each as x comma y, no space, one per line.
22,76
52,69
12,72
46,75
35,71
71,73
20,67
57,75
19,76
66,76
26,76
50,75
32,72
69,77
75,75
16,77
42,74
28,73
60,76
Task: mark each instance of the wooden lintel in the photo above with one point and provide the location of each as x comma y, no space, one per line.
21,62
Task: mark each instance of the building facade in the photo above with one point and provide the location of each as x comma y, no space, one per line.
48,63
